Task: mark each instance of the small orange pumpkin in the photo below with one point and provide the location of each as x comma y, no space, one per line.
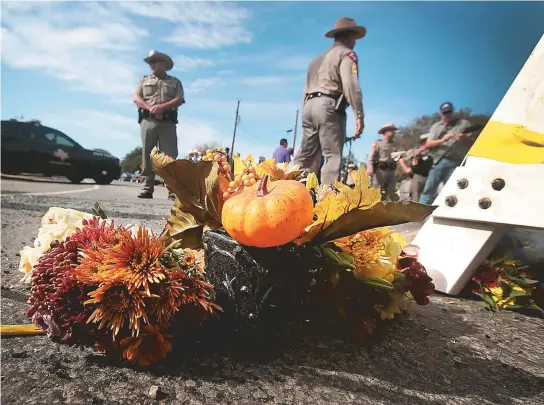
264,218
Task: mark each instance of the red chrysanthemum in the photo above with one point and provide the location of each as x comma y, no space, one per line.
57,293
56,296
419,283
95,233
487,276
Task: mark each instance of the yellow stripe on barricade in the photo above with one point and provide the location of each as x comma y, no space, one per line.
509,143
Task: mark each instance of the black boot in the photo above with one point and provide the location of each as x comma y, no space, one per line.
145,194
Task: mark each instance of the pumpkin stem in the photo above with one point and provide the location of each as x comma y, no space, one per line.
262,189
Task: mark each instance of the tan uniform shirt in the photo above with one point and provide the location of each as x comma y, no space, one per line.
380,151
158,91
336,72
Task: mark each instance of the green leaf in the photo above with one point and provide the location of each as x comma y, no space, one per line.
515,293
522,282
196,185
536,307
488,301
381,214
98,211
378,283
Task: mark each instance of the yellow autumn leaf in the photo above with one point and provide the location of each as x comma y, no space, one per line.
268,167
312,183
358,209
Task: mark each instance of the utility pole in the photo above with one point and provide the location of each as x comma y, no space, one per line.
295,135
236,122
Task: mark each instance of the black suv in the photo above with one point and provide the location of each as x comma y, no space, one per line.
30,147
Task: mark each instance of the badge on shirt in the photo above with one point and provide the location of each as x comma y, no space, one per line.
354,68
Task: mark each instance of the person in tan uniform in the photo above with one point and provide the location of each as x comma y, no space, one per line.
381,165
158,97
332,83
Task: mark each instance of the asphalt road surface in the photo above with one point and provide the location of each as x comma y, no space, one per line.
451,351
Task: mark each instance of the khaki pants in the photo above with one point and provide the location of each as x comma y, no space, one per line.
416,188
323,133
161,134
386,180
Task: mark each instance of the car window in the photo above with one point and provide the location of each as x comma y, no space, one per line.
59,139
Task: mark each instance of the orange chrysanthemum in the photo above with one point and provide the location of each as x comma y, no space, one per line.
117,304
137,259
149,347
90,266
168,295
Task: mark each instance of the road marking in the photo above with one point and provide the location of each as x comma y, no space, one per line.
82,190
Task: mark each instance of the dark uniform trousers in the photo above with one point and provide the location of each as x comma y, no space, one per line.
323,133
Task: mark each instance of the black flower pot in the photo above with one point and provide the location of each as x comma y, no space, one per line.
260,289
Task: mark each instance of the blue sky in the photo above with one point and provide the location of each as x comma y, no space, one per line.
75,65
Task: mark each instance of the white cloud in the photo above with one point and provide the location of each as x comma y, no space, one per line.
89,47
185,63
200,85
199,25
196,36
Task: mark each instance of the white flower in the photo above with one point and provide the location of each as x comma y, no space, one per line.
57,224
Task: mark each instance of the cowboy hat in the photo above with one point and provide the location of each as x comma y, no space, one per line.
154,55
386,127
344,24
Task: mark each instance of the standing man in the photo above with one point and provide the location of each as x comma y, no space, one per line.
158,97
447,146
281,154
417,163
332,83
381,164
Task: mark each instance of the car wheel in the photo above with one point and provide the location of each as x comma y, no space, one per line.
75,179
103,180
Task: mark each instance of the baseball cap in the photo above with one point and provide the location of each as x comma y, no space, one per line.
446,107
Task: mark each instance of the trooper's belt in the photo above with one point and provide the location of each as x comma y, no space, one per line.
309,96
385,165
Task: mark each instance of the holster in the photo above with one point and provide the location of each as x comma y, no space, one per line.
171,115
385,164
341,104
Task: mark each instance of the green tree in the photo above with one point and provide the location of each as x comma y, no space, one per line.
132,160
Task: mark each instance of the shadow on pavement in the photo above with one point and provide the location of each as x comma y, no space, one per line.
415,363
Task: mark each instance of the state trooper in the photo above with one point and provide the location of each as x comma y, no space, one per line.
381,165
332,83
417,163
158,97
447,145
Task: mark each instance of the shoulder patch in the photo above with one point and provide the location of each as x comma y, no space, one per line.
352,56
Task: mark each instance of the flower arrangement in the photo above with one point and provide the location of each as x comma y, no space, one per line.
263,246
504,283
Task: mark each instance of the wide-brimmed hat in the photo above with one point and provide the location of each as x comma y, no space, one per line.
344,24
388,126
155,55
